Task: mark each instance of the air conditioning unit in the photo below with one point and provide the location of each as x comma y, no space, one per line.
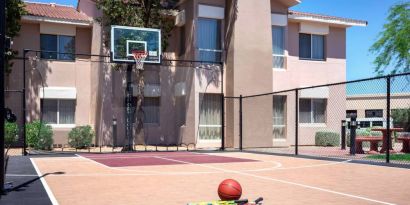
180,18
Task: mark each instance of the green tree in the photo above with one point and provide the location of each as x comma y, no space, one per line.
14,11
137,13
392,47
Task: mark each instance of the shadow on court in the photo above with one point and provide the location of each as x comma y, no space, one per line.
27,187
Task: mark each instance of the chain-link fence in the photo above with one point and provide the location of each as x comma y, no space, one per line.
86,103
365,120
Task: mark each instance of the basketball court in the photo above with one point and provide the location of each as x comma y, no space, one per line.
183,177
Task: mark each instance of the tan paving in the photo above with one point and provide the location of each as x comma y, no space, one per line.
280,180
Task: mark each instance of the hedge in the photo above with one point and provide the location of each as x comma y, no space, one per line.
80,137
41,139
11,132
327,138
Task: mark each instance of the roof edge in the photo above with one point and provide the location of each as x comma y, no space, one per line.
56,20
304,16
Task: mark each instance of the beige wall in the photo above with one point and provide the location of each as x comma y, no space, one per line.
54,74
377,102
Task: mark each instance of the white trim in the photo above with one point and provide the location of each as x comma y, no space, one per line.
312,125
56,20
210,125
58,93
45,185
210,141
314,28
158,31
279,20
213,12
62,125
319,20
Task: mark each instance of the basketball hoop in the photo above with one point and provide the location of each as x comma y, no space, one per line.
139,57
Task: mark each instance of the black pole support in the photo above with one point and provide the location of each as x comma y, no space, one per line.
222,110
240,123
2,101
296,122
389,141
343,135
25,51
353,126
128,109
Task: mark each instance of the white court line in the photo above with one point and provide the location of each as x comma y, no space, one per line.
284,181
45,185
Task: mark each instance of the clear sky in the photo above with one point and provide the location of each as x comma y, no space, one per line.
359,39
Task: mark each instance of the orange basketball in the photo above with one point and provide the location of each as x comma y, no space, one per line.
229,189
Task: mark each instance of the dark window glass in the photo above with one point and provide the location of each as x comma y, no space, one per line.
50,108
373,113
305,45
364,124
66,45
151,109
350,112
377,124
48,43
182,41
209,39
318,47
60,44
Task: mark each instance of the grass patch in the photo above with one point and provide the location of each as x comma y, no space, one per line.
398,157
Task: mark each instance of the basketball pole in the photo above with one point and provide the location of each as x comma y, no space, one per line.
128,109
2,69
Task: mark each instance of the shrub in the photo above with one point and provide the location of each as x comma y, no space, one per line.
37,138
80,137
327,138
11,132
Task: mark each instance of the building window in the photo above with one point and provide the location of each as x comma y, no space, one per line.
182,46
349,113
58,111
61,46
210,117
311,47
312,110
279,119
209,39
278,46
151,110
373,113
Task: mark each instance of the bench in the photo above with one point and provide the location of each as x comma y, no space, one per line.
406,143
374,144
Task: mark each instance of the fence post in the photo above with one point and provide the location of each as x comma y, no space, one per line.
296,121
343,135
388,120
353,125
240,123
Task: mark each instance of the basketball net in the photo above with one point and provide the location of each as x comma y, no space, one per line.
139,57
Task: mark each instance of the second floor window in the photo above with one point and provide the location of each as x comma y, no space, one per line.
373,113
278,46
209,39
311,47
60,46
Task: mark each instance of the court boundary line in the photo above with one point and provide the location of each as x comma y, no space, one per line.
44,183
287,182
329,158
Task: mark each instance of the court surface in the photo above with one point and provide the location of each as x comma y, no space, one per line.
182,177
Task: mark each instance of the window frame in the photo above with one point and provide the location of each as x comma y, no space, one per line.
284,125
311,48
311,111
284,49
58,124
373,110
57,52
220,51
159,112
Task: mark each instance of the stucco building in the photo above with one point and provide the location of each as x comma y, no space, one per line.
264,47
